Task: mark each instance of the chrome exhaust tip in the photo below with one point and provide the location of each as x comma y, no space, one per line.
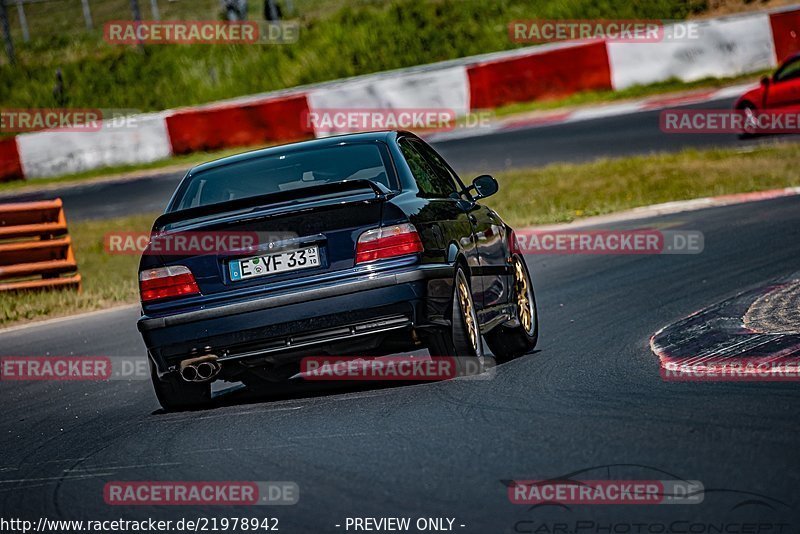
202,369
189,373
205,370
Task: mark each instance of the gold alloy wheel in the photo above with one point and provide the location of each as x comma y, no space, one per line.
468,312
524,299
750,120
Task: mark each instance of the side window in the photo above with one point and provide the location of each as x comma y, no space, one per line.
789,72
432,183
440,167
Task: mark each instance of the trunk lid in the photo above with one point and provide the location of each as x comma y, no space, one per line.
327,217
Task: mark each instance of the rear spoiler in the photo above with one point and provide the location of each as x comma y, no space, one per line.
280,198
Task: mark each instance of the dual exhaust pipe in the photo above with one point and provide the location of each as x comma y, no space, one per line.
202,369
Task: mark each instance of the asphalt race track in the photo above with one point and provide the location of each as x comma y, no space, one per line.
634,133
590,399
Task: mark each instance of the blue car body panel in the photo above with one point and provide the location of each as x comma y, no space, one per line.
338,306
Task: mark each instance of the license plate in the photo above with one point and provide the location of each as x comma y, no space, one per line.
280,262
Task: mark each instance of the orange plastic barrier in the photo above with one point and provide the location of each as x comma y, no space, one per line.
35,250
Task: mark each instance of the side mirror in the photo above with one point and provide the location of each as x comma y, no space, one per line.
765,81
485,186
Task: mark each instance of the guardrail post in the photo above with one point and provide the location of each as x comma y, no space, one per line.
87,14
7,32
23,21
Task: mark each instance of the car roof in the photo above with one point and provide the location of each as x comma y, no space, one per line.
385,136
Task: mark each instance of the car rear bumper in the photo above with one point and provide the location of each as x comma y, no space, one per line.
303,318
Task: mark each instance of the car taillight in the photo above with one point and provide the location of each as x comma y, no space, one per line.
513,244
167,282
388,242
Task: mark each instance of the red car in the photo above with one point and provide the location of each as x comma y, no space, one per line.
781,92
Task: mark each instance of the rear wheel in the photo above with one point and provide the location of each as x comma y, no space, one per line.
175,394
463,338
507,343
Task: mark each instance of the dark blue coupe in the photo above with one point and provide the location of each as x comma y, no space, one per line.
380,249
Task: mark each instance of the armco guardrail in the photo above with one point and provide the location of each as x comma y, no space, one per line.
35,250
726,46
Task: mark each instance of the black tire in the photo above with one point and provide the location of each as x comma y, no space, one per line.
175,394
746,133
507,343
457,341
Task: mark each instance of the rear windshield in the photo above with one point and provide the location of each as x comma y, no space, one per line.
283,172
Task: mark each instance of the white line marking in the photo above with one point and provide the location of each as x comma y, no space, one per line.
55,479
106,468
58,320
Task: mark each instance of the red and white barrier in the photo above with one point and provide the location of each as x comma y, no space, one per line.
238,124
728,46
785,26
446,88
724,48
139,139
546,72
10,165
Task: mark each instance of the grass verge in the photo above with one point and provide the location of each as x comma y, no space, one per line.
556,193
565,192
